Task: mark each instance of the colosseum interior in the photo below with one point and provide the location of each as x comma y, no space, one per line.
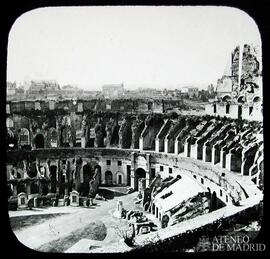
178,168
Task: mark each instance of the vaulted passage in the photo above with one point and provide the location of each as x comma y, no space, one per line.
53,170
108,178
39,141
87,176
139,174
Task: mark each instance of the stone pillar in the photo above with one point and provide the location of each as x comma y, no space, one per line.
222,156
141,143
186,147
132,178
243,167
228,161
176,151
132,170
57,189
194,150
148,170
119,209
35,202
166,143
157,145
83,142
204,154
15,193
66,185
152,209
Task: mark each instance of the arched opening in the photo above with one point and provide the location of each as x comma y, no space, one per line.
226,98
115,135
21,187
33,170
213,202
139,174
241,99
53,170
34,187
108,178
227,108
165,221
256,99
119,179
45,189
19,175
128,175
153,208
39,141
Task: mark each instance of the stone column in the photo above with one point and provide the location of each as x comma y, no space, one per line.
204,154
141,143
119,209
221,156
194,150
228,162
15,193
157,144
66,185
176,151
132,171
186,146
83,142
148,170
166,145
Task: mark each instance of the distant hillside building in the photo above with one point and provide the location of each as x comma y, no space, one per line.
113,91
191,92
11,88
41,88
70,91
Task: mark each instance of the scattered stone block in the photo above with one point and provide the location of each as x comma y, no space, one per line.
22,200
74,199
61,202
119,209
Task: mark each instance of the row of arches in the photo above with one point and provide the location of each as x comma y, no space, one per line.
109,178
22,138
241,98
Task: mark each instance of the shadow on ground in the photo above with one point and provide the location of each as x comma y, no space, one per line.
94,230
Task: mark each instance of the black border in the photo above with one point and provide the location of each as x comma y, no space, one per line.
258,10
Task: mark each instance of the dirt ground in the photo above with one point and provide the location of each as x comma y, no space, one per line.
56,232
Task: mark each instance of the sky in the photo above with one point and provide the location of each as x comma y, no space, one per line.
139,46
